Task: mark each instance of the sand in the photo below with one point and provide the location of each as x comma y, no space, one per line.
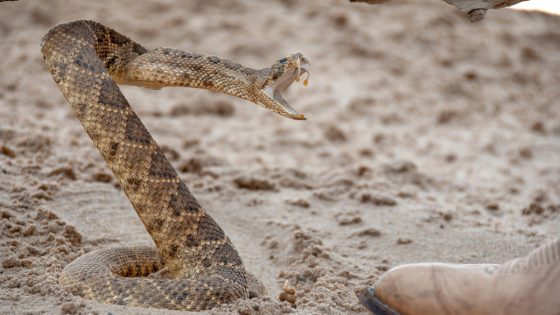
429,139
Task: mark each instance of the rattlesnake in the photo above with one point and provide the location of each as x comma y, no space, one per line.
86,60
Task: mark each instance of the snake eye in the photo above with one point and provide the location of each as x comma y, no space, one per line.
283,60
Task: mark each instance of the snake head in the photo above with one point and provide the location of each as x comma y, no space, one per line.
278,79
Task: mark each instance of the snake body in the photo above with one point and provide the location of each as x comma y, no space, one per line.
87,60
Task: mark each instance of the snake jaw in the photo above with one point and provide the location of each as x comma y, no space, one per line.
282,74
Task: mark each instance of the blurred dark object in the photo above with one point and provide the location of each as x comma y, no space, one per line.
475,9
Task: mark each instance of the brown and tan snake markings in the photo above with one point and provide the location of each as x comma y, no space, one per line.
87,59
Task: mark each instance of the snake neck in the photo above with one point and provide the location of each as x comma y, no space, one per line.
163,67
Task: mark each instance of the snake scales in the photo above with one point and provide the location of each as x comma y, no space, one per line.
86,60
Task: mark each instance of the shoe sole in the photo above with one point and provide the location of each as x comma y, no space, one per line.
371,302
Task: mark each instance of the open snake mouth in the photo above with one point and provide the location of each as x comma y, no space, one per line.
294,71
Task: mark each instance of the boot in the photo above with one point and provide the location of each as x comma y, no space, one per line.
528,285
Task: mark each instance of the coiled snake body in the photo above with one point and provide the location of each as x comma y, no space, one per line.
86,60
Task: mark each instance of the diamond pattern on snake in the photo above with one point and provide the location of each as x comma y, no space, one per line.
87,60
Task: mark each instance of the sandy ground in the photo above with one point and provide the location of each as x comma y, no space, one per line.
428,139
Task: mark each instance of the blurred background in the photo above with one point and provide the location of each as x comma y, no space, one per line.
428,139
540,5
